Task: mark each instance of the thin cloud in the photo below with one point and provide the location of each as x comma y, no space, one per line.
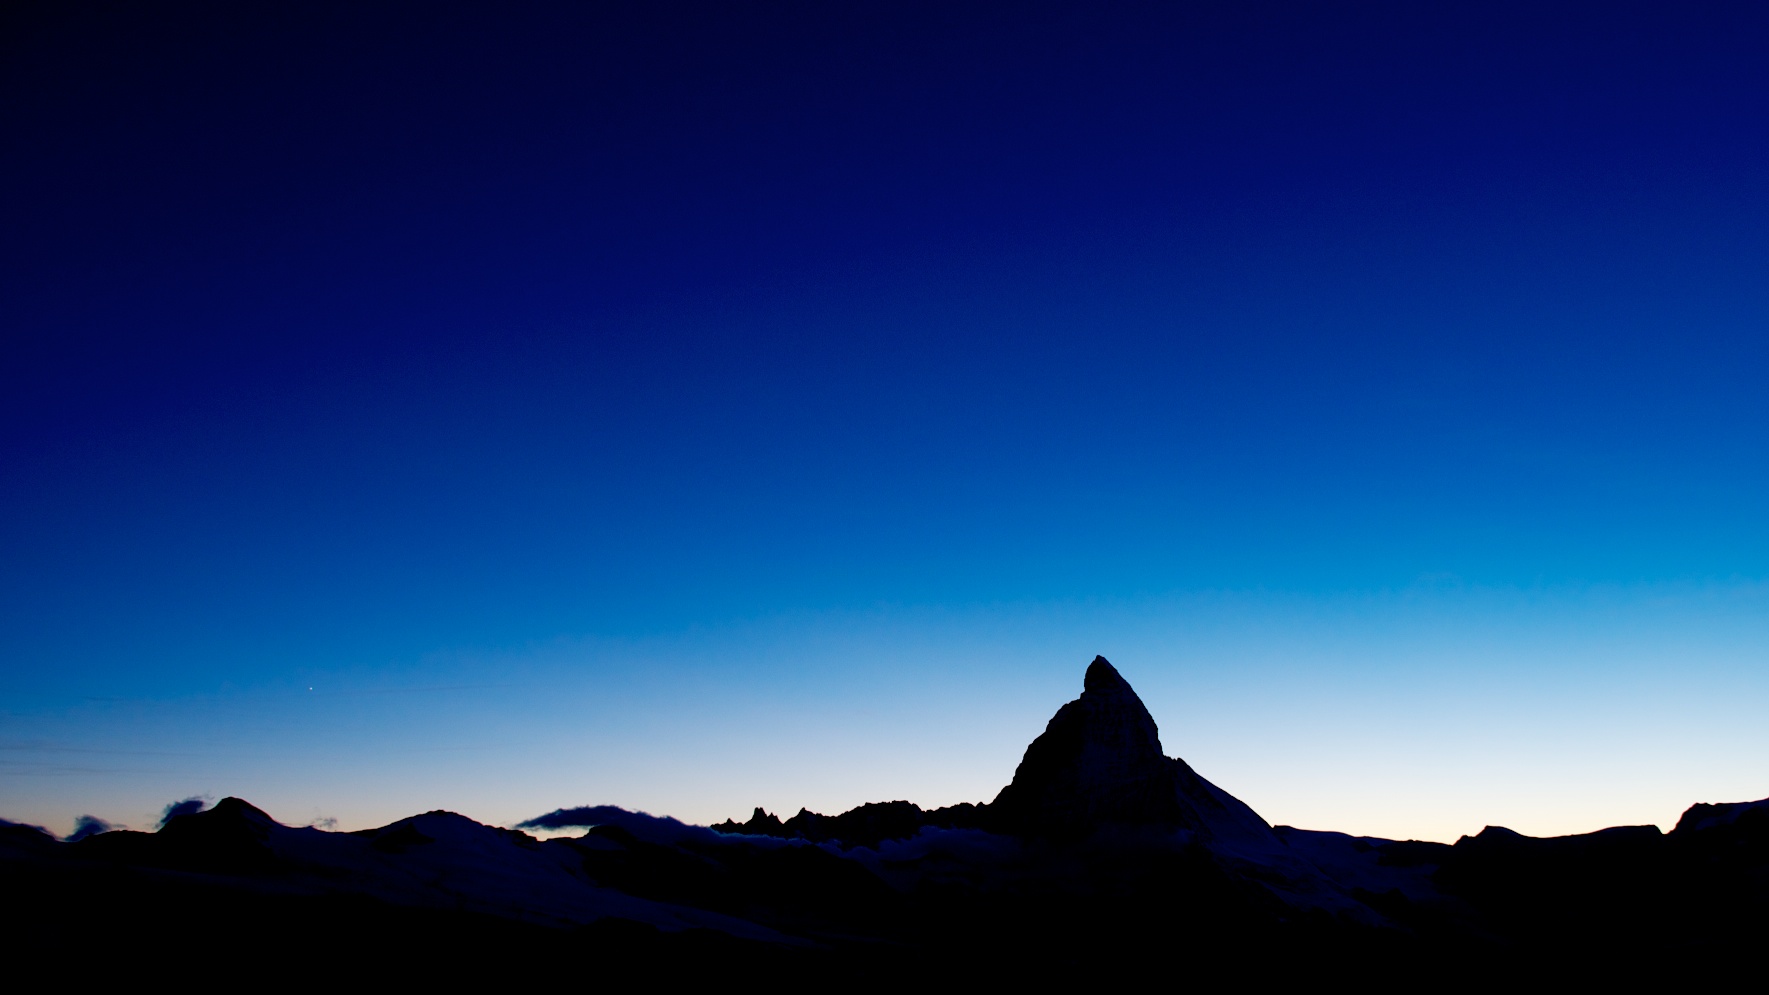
419,689
40,746
189,806
38,758
88,825
647,827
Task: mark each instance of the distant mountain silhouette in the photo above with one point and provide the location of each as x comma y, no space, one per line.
1103,860
1099,764
866,825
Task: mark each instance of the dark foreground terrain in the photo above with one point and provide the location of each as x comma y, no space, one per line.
1103,861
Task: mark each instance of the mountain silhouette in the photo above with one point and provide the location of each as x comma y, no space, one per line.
1099,764
1101,861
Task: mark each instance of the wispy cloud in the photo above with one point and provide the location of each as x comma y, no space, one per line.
189,806
420,689
39,746
88,825
643,825
27,758
16,768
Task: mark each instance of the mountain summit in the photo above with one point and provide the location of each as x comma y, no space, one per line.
1100,843
1099,763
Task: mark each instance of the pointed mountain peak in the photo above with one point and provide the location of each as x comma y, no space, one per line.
1100,763
1102,676
1110,708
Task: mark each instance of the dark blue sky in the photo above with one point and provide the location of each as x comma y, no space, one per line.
338,336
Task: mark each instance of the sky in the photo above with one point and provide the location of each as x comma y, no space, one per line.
691,407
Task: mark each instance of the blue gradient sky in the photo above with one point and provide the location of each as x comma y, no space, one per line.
693,407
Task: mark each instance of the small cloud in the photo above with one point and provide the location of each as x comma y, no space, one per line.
189,806
87,825
568,818
646,827
324,822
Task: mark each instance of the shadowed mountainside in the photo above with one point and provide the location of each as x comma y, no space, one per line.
1097,766
1099,763
1102,859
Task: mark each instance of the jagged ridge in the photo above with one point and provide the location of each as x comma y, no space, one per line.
1099,843
1098,765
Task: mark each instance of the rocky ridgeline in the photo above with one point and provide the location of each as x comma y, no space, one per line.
1101,843
1098,765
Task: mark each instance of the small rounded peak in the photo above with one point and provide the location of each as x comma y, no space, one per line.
237,808
1102,675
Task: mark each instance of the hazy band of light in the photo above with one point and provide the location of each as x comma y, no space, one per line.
1424,713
